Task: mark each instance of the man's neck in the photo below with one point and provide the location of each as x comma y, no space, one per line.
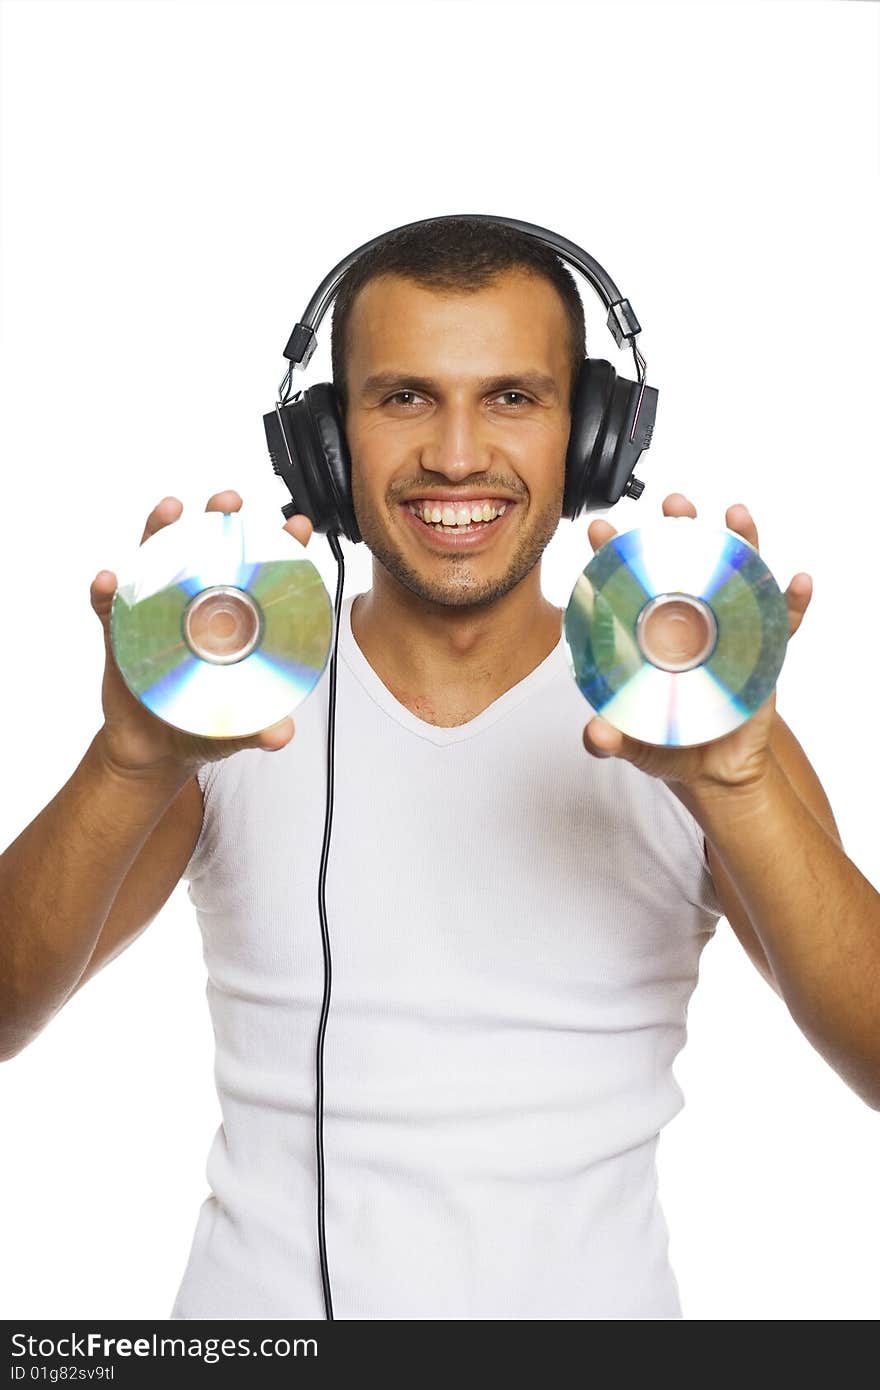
445,663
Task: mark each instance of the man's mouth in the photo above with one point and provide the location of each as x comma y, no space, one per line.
458,517
455,529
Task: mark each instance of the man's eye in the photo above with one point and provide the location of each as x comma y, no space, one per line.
407,399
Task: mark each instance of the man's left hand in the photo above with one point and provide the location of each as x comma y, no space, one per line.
738,759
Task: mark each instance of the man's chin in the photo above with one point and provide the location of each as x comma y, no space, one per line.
458,581
463,592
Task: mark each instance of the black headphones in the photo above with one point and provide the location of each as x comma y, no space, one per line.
611,423
612,418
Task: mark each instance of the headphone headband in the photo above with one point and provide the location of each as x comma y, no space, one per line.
622,322
612,417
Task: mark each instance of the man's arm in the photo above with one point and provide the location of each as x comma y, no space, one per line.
59,881
790,886
800,773
97,864
817,918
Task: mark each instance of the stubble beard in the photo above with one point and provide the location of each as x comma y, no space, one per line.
456,585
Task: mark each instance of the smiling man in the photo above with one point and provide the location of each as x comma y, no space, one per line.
449,413
516,925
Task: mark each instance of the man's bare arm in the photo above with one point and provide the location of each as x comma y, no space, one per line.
801,774
96,865
59,880
790,883
150,881
817,917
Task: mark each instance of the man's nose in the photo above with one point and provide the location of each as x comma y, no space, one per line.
457,445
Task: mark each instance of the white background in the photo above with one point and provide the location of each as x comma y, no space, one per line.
176,179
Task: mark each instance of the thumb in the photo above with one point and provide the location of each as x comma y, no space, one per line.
277,736
603,740
300,527
101,593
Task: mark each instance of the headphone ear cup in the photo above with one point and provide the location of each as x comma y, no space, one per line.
589,412
601,457
309,452
323,405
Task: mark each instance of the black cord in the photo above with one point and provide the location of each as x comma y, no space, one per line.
325,935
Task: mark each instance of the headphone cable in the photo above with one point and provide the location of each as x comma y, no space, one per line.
325,935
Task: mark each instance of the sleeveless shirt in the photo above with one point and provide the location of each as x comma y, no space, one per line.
515,929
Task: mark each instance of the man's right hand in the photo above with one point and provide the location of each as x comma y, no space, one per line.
135,742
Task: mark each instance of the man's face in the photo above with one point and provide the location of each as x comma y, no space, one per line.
454,396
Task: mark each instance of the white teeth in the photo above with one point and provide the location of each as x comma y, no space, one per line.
456,516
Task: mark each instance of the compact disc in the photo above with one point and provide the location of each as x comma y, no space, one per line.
219,626
676,632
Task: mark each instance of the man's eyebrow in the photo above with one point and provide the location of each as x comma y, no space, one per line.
538,383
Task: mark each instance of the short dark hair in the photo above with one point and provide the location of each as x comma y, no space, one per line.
452,253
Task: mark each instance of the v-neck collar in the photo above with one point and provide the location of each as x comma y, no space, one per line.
356,661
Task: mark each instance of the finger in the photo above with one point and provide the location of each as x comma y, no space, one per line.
602,739
676,504
598,532
300,527
226,501
739,519
103,587
276,737
797,598
164,512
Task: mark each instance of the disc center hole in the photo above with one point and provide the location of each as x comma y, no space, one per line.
222,625
676,631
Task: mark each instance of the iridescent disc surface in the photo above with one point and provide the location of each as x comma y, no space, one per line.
693,579
219,626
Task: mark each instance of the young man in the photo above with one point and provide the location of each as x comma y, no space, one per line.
516,926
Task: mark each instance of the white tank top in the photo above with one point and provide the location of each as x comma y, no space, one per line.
515,930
